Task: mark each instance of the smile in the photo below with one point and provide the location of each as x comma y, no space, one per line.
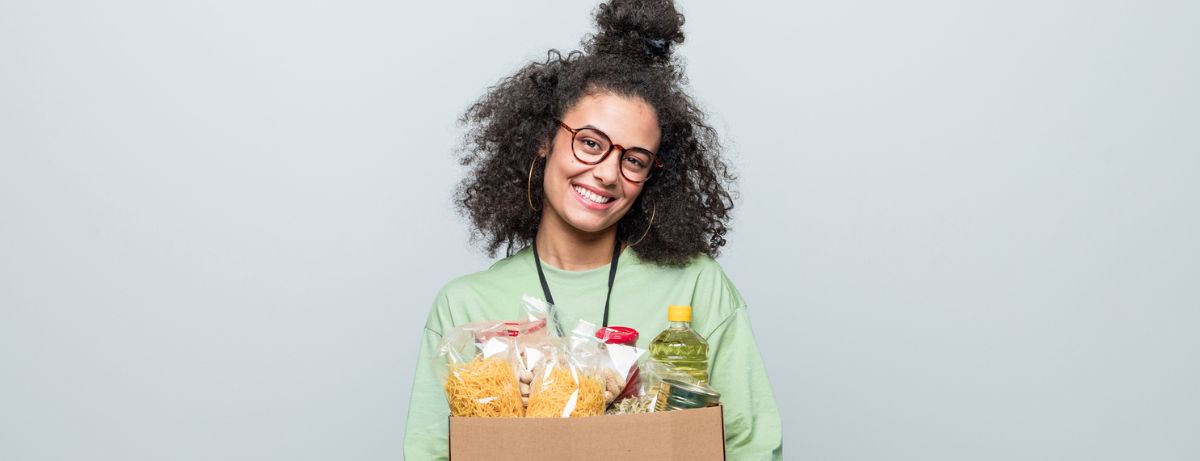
592,199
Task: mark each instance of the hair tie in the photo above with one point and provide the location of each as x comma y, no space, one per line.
658,45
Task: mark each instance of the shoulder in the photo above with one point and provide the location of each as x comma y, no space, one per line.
702,270
469,297
710,274
705,265
714,297
500,273
717,292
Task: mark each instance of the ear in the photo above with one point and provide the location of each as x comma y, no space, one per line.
544,150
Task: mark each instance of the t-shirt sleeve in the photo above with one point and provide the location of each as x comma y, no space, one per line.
752,426
426,432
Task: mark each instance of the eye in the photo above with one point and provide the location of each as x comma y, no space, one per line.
637,160
590,146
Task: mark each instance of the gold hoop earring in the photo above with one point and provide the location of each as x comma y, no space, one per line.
529,185
647,231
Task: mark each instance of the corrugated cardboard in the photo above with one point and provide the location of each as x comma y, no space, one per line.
693,435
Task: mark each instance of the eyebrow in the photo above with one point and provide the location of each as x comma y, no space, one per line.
610,139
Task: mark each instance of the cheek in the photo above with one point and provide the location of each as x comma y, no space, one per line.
564,168
633,190
559,171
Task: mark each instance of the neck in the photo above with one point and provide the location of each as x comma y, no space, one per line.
567,248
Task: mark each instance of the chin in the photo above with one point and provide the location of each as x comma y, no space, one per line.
590,226
586,221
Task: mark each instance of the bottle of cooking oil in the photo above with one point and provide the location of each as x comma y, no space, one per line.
680,346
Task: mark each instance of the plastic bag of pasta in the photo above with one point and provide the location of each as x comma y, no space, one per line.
480,369
540,319
568,378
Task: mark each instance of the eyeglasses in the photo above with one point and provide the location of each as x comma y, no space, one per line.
592,146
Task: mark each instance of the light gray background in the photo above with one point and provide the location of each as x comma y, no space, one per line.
966,230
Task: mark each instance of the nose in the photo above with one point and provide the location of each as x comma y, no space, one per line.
608,171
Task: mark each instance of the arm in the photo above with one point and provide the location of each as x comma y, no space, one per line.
752,427
426,433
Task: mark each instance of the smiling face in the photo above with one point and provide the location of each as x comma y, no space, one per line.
593,198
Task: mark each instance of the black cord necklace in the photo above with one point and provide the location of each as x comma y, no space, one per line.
612,276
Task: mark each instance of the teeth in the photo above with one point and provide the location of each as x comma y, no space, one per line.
592,196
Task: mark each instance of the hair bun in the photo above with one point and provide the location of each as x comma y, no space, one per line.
637,28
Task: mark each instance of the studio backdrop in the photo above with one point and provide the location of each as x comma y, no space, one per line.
965,230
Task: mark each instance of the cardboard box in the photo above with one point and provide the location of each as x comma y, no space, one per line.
693,435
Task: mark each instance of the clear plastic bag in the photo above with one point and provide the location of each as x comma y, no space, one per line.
541,319
622,371
568,379
538,322
480,367
644,398
663,388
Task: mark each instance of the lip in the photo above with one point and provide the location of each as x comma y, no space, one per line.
588,203
594,190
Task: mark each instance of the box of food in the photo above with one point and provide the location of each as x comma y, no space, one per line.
694,435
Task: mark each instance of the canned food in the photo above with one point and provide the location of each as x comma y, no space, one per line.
689,395
676,402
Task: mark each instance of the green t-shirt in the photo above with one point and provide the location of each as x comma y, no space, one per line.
640,295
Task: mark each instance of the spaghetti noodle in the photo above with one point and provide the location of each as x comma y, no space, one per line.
483,388
560,395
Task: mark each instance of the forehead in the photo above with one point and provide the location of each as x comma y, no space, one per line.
627,121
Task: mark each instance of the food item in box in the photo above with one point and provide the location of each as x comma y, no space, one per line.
681,346
683,394
540,318
483,388
563,392
571,378
633,405
621,345
664,387
479,369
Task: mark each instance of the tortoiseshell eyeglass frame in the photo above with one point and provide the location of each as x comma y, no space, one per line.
655,162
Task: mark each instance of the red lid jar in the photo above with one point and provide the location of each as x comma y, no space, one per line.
618,335
627,337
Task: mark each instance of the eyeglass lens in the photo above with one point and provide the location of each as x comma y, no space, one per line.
591,145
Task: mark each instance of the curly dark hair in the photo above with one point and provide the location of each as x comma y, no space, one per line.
630,56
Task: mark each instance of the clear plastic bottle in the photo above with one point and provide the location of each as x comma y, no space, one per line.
680,346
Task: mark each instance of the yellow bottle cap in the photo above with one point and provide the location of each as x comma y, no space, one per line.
679,313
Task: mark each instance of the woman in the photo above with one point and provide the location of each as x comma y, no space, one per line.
601,170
